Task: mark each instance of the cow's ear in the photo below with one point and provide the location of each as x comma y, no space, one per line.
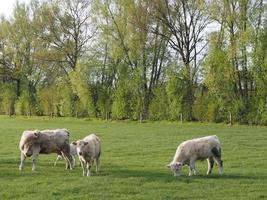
85,143
168,166
74,143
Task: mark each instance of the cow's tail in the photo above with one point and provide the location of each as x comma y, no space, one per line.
99,152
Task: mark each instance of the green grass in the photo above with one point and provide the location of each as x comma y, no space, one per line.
133,162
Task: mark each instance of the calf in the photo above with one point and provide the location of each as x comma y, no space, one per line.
197,149
73,154
33,143
88,150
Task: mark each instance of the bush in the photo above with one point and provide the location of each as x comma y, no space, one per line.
121,107
158,109
25,105
8,97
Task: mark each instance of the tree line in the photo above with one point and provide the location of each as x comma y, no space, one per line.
143,59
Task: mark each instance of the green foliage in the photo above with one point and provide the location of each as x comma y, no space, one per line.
261,113
104,102
138,96
174,91
121,107
83,90
66,100
47,99
7,99
57,100
135,60
158,109
24,105
215,112
200,109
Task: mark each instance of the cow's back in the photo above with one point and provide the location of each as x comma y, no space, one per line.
198,147
54,140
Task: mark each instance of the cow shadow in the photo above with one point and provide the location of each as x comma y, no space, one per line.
9,169
167,176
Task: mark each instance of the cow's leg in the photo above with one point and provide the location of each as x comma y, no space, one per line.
191,167
73,161
58,157
195,170
68,160
97,162
22,160
220,164
35,154
210,165
217,157
88,167
83,167
65,149
34,160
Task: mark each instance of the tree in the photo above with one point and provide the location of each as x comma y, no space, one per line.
18,50
134,46
83,89
158,109
239,21
7,99
186,22
65,31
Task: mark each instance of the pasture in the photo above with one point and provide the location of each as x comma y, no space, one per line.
133,162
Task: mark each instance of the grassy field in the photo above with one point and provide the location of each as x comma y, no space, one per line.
133,162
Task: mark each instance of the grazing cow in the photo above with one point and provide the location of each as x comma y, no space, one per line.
197,149
33,143
88,150
73,154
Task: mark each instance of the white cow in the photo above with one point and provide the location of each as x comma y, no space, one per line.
33,143
197,149
88,150
73,154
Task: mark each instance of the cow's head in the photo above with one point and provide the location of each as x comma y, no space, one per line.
80,145
29,141
175,167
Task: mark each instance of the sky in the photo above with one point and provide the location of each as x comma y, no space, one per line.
6,6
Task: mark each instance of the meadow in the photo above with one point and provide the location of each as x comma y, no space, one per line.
133,162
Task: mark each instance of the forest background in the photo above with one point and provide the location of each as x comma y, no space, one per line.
193,60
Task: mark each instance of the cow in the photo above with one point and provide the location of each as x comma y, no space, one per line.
35,142
88,150
189,151
73,154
